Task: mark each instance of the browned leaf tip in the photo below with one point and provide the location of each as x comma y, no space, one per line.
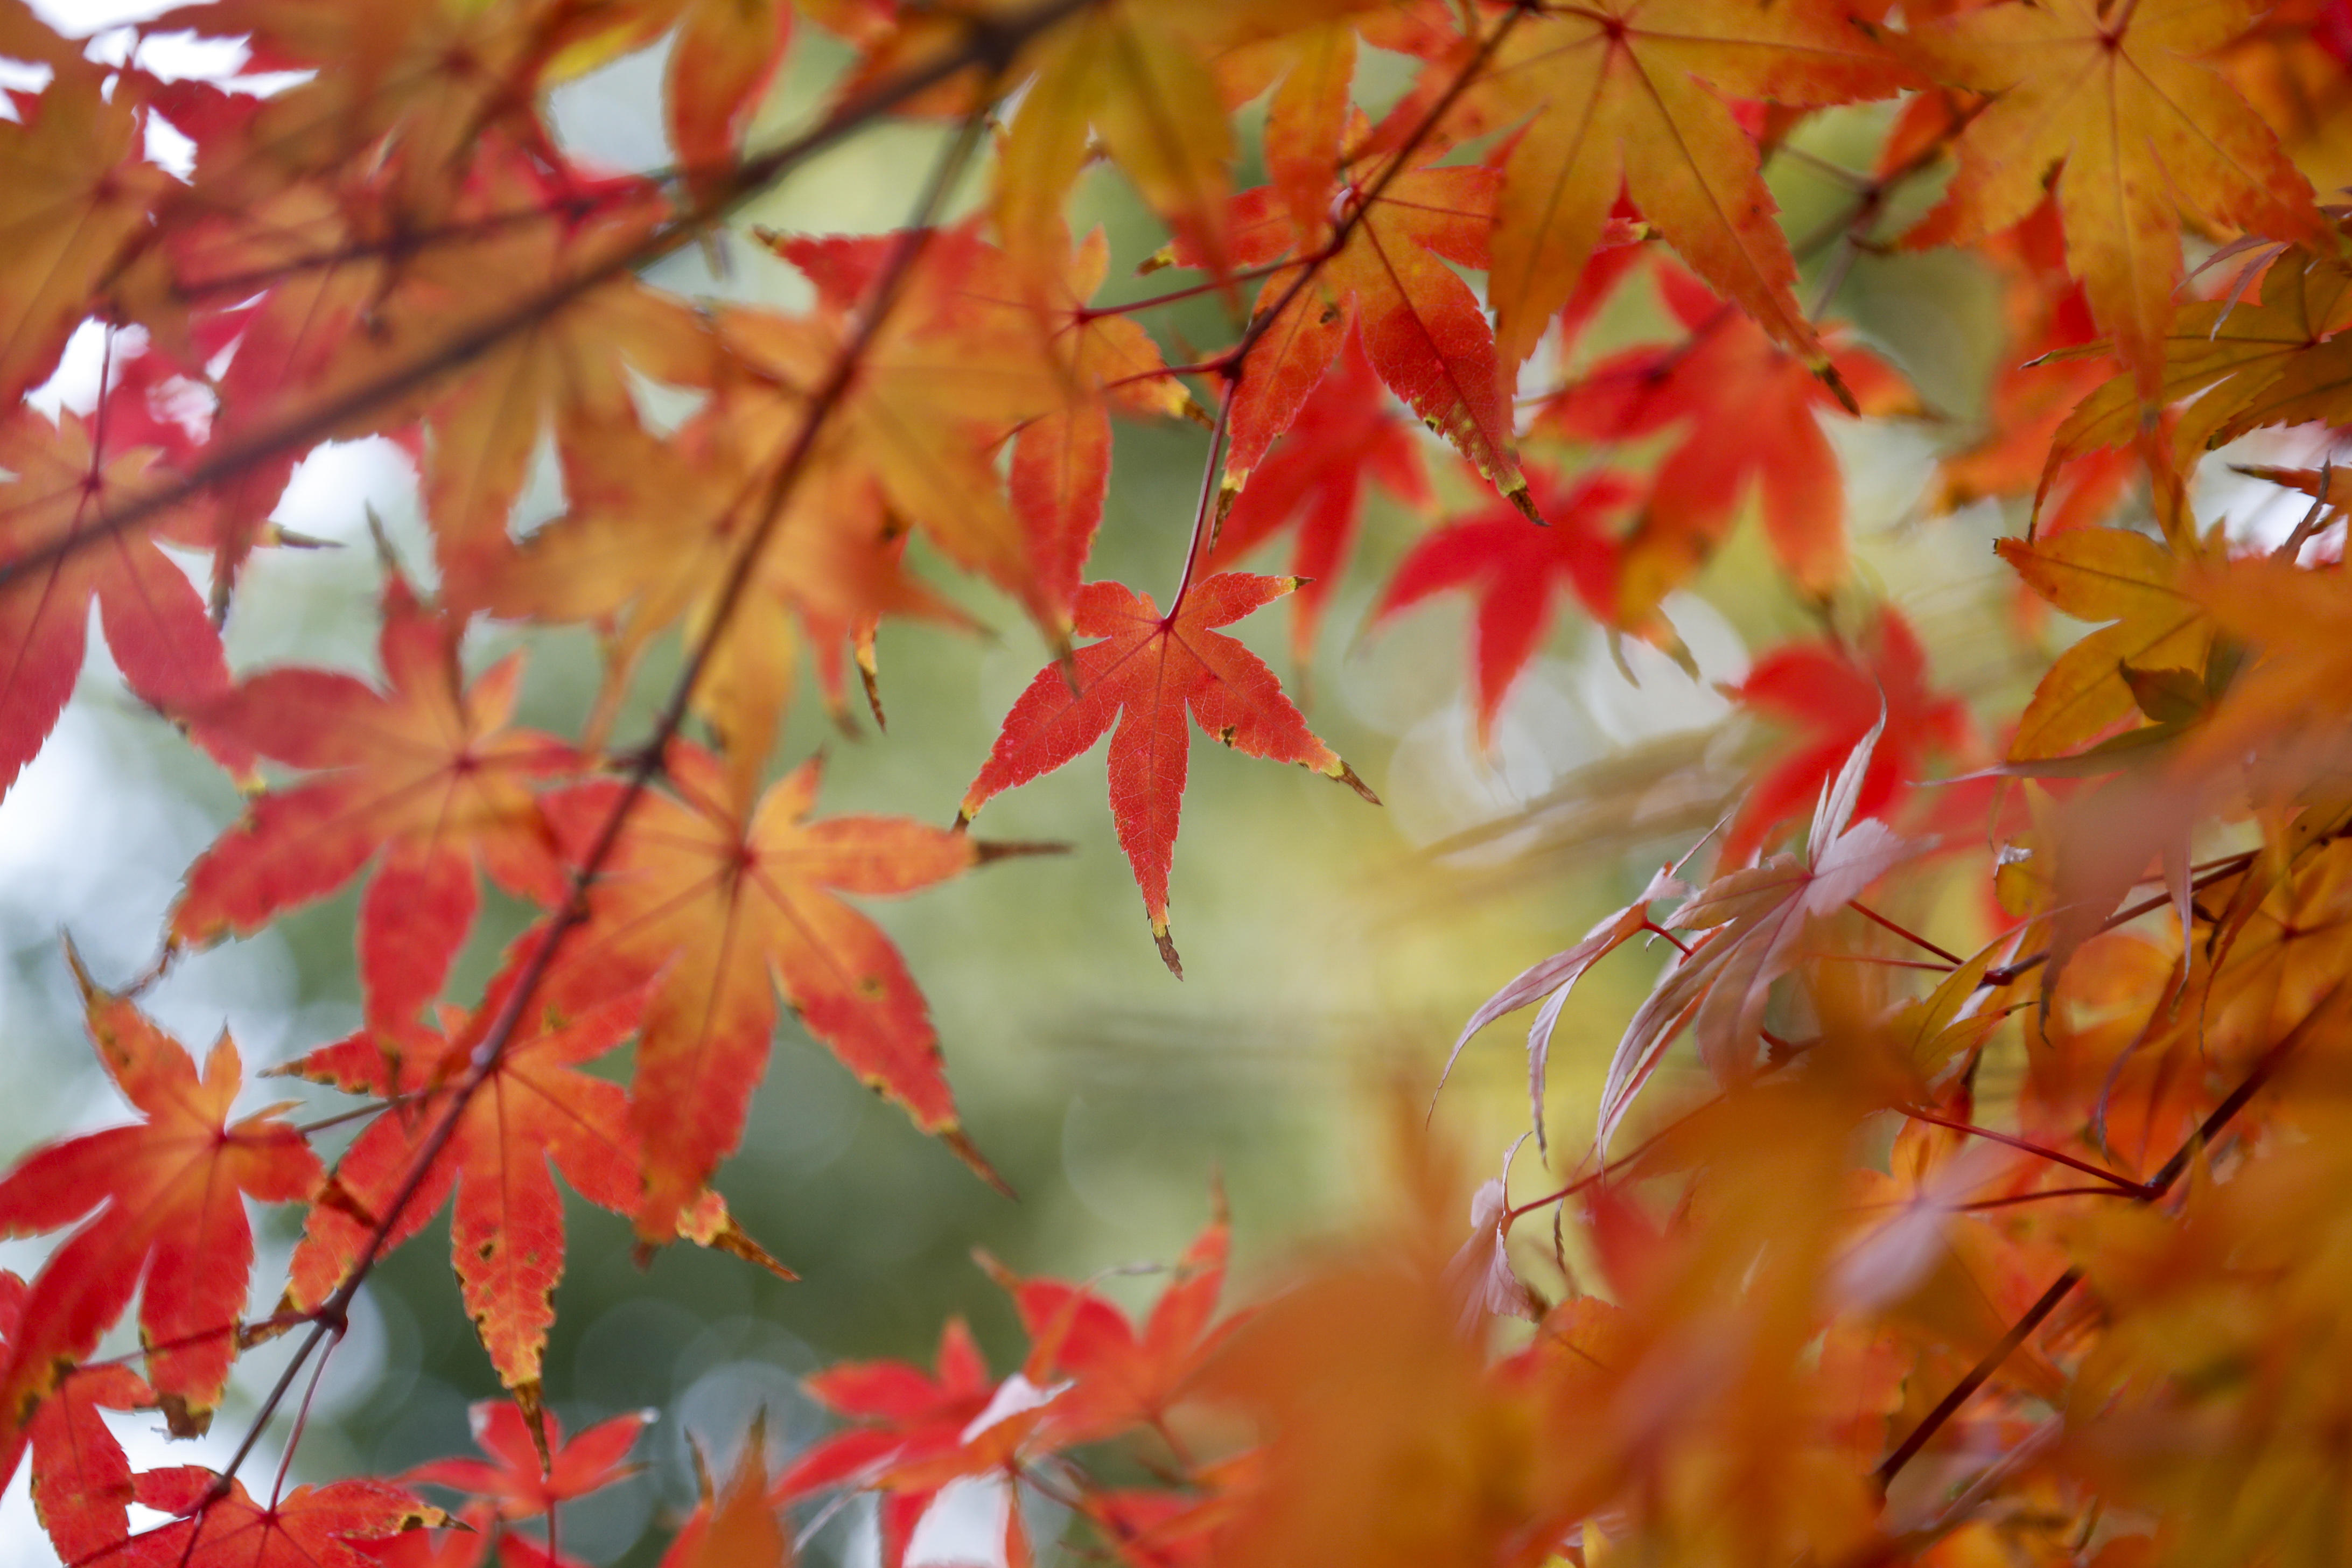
969,1152
1160,935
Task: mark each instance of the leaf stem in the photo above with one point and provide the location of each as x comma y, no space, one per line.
1914,938
1204,527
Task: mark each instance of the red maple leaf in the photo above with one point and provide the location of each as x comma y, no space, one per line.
81,1478
512,1479
1421,325
59,482
170,1199
717,908
1517,569
506,1235
904,1416
425,774
1121,1379
1833,693
1145,673
1349,429
1752,416
310,1527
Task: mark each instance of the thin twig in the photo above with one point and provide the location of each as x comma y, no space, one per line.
2062,1287
2023,1146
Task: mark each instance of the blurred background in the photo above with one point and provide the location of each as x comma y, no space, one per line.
1331,949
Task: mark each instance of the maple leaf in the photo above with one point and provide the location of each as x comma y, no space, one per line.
904,1416
59,481
2141,132
2103,574
1517,569
1145,674
2046,372
534,1108
515,1480
932,392
2245,362
1727,375
1554,978
1117,1379
81,1478
1061,454
739,1527
422,91
832,563
1627,97
1358,1377
1420,324
424,778
568,372
170,1223
1061,459
1751,919
726,56
310,1527
2293,621
726,906
1153,1528
1138,78
74,200
1346,432
1835,692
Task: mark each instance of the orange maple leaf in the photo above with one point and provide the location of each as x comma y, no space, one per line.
74,199
1061,453
2142,133
2114,575
1628,96
931,395
831,565
739,1527
169,1195
425,774
1144,676
724,906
